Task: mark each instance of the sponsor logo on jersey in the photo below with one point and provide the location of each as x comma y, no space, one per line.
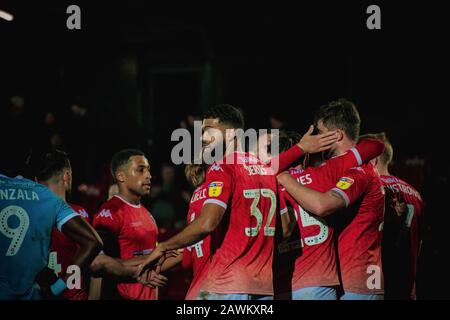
344,183
215,189
105,213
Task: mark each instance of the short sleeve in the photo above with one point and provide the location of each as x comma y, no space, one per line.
352,184
64,213
106,221
219,181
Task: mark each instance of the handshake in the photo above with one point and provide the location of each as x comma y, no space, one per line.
148,271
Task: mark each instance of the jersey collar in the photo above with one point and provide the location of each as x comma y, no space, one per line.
130,204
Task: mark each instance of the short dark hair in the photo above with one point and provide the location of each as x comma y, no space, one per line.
340,114
45,164
226,114
121,158
288,139
388,152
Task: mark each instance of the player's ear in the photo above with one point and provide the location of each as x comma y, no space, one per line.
66,176
340,134
375,161
120,176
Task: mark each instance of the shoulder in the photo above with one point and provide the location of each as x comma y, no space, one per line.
366,170
112,207
80,210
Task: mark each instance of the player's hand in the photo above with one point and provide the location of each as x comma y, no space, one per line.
157,255
45,279
153,278
399,206
397,202
134,271
317,143
281,178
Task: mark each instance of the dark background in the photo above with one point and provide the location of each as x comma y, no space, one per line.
140,69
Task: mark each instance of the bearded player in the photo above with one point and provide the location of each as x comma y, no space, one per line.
238,212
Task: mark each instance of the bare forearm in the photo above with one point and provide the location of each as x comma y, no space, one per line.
83,257
95,289
171,262
107,266
193,233
304,196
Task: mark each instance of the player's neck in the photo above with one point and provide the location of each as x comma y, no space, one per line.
58,190
130,197
344,146
383,171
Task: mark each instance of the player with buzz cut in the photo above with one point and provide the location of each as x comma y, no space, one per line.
238,212
52,168
354,200
28,212
402,228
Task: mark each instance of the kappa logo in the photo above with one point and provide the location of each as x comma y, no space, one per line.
216,167
105,213
344,183
83,213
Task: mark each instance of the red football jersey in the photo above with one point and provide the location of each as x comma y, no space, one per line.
62,252
136,233
359,242
313,246
242,245
197,255
415,205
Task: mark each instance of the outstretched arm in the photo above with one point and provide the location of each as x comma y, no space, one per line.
319,203
198,229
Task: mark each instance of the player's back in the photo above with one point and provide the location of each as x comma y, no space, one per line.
28,212
360,226
401,240
242,246
409,193
62,252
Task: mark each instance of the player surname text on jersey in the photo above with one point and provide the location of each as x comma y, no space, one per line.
18,194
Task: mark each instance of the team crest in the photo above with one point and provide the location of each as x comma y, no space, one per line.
215,189
345,183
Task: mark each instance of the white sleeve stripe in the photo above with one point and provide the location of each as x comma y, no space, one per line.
63,221
343,195
357,156
283,211
216,201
